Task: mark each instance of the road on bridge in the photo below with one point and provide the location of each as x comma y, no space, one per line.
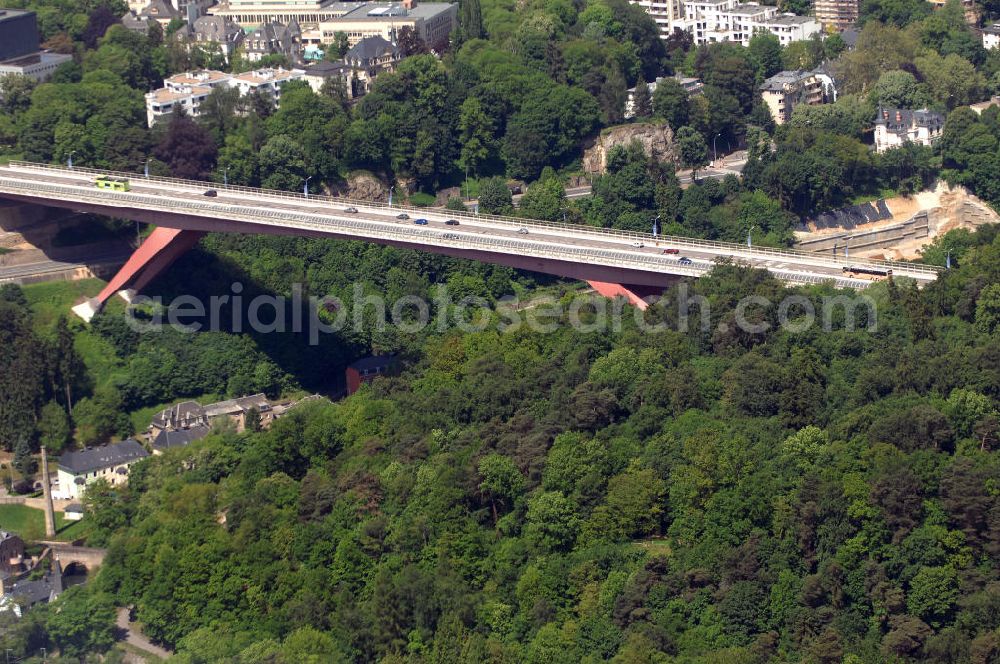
444,231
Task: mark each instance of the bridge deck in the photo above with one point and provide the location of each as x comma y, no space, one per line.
518,242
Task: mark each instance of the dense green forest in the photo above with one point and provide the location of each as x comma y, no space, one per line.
700,496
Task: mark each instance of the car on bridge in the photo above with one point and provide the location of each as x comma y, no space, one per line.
211,193
671,251
684,260
451,222
522,231
402,216
638,245
420,222
352,209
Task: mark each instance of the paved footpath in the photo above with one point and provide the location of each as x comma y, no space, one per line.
135,638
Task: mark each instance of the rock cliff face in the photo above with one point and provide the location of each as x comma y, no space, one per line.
365,187
656,139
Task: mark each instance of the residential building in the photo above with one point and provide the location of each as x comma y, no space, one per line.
667,14
711,21
20,52
968,7
983,105
896,126
786,90
191,415
433,22
237,411
169,439
370,57
274,38
368,369
73,512
132,21
991,36
188,90
109,462
160,11
317,74
11,554
790,28
21,595
837,14
213,30
693,86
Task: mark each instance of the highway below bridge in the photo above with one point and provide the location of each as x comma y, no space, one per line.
629,264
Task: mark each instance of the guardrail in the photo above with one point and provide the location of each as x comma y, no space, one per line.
605,233
388,230
372,229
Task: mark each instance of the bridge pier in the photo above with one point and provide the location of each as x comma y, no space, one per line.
633,293
156,253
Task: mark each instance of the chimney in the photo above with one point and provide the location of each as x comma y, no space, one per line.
885,114
899,116
50,517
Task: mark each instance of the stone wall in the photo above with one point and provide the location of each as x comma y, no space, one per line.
657,140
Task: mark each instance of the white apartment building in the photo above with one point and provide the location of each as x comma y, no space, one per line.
789,28
896,126
711,21
667,14
189,90
991,36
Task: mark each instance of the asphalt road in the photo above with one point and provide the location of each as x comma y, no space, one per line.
692,257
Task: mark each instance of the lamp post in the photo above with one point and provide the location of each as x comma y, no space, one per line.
145,169
715,154
947,260
305,187
847,247
750,244
392,189
225,176
656,225
69,160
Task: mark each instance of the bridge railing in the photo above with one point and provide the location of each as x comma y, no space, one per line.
324,221
731,248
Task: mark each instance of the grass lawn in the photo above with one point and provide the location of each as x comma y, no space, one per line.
50,300
29,523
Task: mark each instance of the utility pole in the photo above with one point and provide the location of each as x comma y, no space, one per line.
50,516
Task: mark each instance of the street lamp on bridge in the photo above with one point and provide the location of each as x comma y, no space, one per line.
305,187
69,160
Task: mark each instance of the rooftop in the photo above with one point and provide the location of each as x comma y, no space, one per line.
370,48
326,68
168,95
901,119
790,20
784,79
380,11
10,14
240,405
267,74
98,458
196,78
992,29
373,362
166,440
